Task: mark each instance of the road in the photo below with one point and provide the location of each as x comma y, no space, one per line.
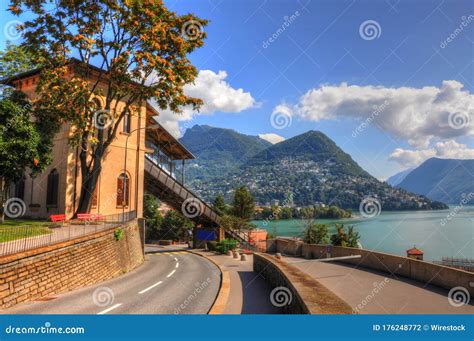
373,292
167,283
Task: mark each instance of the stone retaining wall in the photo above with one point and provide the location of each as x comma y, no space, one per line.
65,266
424,272
307,295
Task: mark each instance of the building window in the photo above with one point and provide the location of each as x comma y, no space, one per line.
127,123
53,189
123,190
20,189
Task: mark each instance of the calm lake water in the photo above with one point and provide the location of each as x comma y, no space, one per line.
395,232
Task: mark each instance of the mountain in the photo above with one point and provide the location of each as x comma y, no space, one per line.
399,177
218,150
314,169
445,180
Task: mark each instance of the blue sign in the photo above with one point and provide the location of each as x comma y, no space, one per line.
207,235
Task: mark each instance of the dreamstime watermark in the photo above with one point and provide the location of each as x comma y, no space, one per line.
46,329
14,208
370,30
458,120
466,199
288,20
281,296
12,30
192,30
464,23
14,120
103,296
378,286
458,296
199,288
370,207
280,119
378,109
103,119
191,208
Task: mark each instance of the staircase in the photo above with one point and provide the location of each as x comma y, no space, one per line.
171,191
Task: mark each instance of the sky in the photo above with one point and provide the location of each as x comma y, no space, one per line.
391,82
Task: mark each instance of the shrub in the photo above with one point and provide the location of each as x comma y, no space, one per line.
226,245
212,246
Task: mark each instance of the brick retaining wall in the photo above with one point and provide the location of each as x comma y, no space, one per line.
65,266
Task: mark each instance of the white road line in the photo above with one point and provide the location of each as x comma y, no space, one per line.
176,259
177,265
171,274
109,309
149,288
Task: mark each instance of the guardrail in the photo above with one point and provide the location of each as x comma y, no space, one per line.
18,239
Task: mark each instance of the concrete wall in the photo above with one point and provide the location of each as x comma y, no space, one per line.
425,272
62,267
307,295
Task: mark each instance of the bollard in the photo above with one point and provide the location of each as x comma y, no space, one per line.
236,255
229,253
243,257
278,255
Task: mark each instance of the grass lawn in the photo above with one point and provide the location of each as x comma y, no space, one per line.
16,229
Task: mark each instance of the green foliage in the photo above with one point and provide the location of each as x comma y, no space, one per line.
219,204
226,245
16,59
229,222
310,212
175,226
152,216
345,238
243,204
118,234
316,233
212,245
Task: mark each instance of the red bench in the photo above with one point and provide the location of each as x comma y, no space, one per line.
58,219
90,217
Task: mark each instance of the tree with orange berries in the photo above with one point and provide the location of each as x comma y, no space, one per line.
138,48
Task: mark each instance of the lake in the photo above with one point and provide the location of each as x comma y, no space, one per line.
444,233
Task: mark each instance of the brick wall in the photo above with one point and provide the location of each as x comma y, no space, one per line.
62,267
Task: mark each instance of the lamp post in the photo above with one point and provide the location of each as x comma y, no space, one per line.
125,181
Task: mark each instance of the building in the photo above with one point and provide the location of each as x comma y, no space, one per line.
415,253
120,186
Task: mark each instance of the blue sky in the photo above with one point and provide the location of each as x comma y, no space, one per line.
321,47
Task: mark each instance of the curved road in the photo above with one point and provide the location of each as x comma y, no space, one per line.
167,283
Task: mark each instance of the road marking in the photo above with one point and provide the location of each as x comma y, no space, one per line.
149,288
171,274
109,309
177,265
176,259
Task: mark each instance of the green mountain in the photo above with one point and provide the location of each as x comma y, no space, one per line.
218,150
311,167
446,180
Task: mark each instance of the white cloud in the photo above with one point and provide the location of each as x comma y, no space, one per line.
445,150
218,96
416,115
272,138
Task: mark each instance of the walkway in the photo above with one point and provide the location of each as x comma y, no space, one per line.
371,292
249,293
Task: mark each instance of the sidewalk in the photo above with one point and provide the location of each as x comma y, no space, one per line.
249,293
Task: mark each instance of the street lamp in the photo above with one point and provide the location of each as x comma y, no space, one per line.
125,181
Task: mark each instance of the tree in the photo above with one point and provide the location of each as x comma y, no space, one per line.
219,204
175,226
140,51
315,233
345,239
153,217
15,59
243,205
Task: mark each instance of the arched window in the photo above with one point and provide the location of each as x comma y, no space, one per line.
123,190
52,189
127,122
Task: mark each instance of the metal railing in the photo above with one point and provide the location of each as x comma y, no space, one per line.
16,239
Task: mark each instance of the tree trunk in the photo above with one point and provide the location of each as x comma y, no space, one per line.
2,201
89,179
